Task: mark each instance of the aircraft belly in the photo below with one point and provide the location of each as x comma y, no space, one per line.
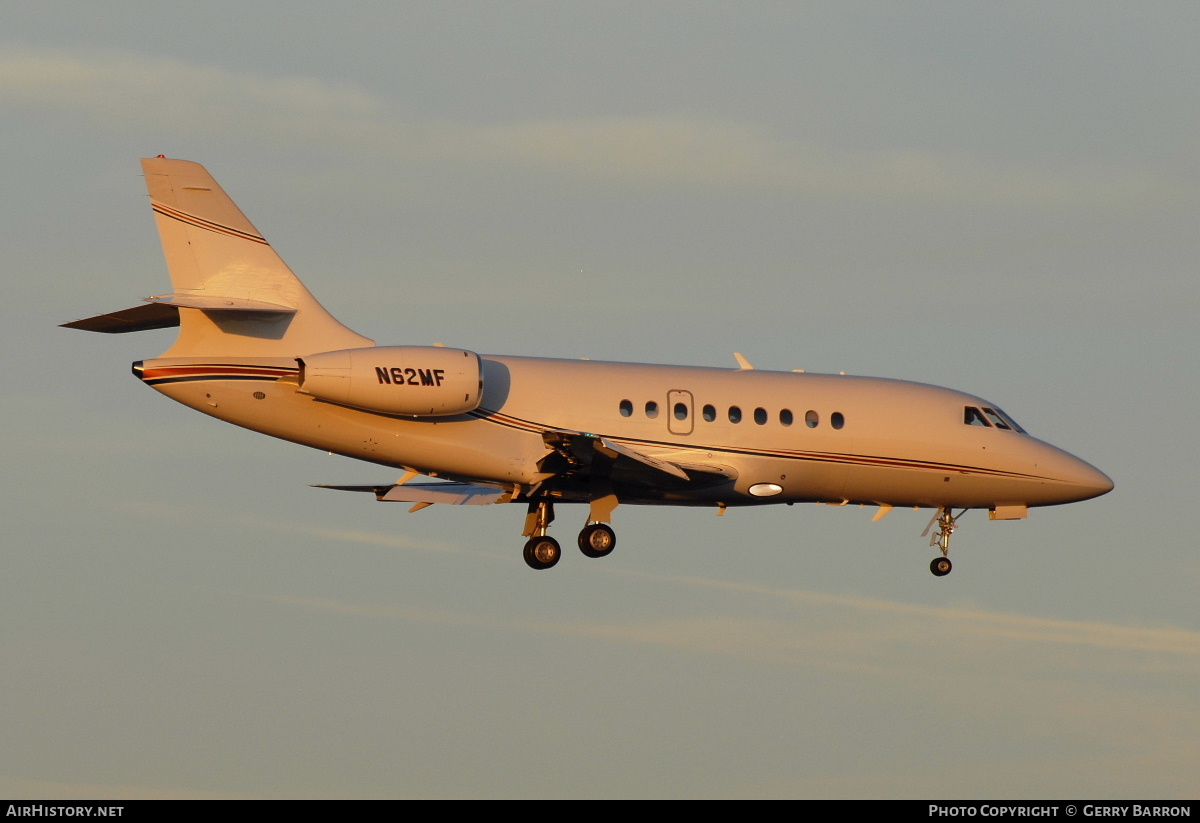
962,486
815,480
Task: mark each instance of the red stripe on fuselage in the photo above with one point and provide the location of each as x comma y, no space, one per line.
177,371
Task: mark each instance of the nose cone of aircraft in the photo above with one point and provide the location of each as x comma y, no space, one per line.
1071,479
1088,480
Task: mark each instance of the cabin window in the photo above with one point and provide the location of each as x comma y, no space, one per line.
710,413
812,419
974,417
626,408
785,417
760,416
836,420
651,409
735,414
681,411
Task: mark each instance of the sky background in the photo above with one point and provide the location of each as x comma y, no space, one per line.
1000,198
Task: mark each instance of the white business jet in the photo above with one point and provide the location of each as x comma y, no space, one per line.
256,349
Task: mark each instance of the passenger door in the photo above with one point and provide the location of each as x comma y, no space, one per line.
679,412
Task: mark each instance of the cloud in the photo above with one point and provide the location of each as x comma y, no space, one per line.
846,632
711,153
997,625
143,93
131,91
186,515
367,538
1123,694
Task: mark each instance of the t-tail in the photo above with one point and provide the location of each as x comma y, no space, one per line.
232,295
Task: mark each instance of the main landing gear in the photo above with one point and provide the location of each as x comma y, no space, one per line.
946,522
597,540
542,551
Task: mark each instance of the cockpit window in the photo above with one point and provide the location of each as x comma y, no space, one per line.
1012,424
996,420
974,417
991,418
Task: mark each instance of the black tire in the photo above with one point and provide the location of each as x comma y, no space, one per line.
940,566
597,540
542,552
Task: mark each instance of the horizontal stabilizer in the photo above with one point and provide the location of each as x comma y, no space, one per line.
454,494
163,312
138,318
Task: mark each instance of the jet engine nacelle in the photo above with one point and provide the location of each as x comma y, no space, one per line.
421,381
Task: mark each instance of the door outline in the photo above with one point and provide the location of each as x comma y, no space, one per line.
674,424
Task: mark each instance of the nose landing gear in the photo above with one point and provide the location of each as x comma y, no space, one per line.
946,522
940,566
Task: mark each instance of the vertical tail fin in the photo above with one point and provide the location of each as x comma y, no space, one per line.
234,294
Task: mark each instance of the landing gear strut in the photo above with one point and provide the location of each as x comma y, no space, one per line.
541,550
946,522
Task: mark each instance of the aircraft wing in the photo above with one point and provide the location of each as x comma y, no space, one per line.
579,460
455,494
577,454
616,449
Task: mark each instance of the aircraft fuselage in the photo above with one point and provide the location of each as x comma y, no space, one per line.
255,348
783,436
